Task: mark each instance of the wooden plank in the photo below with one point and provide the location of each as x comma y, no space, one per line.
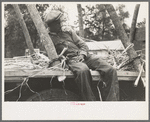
47,72
127,78
14,79
129,73
20,79
19,75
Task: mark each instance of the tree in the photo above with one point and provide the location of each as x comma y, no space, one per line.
15,43
133,25
141,24
122,35
123,15
98,25
80,18
14,38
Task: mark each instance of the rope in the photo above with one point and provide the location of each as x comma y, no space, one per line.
25,81
64,87
8,91
51,81
99,91
21,88
34,91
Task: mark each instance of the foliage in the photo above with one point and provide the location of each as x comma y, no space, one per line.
121,12
141,24
13,33
15,43
98,25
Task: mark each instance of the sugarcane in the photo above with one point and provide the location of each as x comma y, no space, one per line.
122,35
138,78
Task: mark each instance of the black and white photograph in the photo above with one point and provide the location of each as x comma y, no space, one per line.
75,60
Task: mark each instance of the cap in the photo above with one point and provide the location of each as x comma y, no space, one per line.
52,16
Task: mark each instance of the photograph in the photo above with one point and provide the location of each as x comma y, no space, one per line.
81,54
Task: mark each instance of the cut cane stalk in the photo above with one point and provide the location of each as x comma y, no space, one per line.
63,77
138,78
124,62
63,51
130,46
143,81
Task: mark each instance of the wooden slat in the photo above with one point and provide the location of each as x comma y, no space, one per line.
127,78
20,74
14,79
20,79
47,72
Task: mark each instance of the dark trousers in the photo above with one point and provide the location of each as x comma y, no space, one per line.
83,78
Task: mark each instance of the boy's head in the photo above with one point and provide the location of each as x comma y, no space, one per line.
52,19
54,26
56,20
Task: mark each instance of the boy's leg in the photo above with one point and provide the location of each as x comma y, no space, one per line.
108,74
83,79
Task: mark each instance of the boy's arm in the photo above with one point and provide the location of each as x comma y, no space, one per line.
80,43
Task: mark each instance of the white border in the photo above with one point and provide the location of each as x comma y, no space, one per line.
67,110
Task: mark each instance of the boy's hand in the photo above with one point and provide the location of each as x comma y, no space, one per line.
81,58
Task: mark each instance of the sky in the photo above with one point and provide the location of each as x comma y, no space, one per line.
130,6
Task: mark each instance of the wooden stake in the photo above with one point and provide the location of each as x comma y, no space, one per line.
122,35
45,38
81,31
24,28
133,25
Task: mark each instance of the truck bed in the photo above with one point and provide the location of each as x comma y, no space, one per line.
15,70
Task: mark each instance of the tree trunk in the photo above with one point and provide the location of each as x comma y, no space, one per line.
103,15
103,30
133,25
44,36
81,31
122,35
24,28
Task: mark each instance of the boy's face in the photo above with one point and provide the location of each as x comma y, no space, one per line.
54,26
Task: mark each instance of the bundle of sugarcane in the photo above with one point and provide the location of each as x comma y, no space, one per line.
119,61
34,61
20,62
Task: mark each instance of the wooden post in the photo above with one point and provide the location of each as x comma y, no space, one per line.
44,36
122,35
81,31
133,25
24,28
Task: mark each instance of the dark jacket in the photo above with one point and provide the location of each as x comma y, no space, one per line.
70,39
